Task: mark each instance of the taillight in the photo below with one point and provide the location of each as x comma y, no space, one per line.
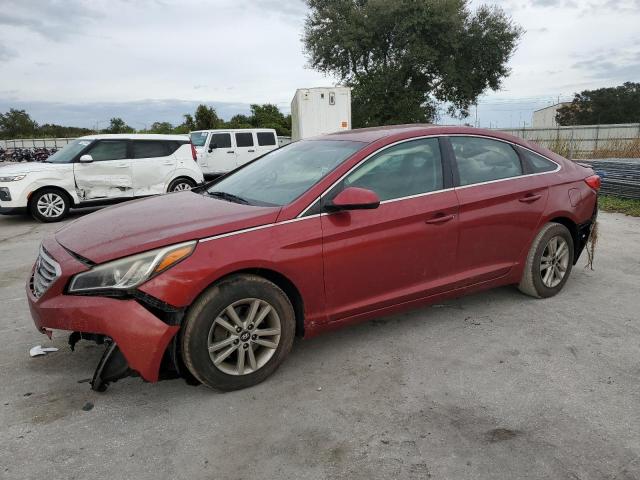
194,154
593,181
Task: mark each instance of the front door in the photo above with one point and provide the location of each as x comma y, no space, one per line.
401,251
219,155
108,175
500,208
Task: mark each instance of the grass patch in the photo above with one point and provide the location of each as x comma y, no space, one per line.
619,205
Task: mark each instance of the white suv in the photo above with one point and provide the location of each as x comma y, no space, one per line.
220,151
97,170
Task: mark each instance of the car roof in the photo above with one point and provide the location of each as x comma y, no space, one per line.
372,134
135,136
236,130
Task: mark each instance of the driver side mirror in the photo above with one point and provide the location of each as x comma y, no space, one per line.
86,159
212,147
354,198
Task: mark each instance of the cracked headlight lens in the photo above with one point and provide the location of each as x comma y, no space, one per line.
129,272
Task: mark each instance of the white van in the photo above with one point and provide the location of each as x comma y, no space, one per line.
220,151
98,170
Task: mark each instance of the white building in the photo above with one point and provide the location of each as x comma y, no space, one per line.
546,117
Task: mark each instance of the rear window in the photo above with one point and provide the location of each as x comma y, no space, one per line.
198,139
244,139
150,149
220,140
266,138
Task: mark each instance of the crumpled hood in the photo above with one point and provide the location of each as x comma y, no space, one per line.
141,225
26,167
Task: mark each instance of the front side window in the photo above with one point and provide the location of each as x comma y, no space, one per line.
410,168
108,150
266,138
244,139
69,151
282,175
220,140
149,149
483,160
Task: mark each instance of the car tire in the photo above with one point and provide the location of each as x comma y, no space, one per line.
213,341
181,184
49,205
549,262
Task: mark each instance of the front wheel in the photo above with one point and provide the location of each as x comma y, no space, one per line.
549,262
238,332
181,184
49,205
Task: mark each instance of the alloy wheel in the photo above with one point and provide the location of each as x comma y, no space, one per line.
244,336
50,205
179,187
554,262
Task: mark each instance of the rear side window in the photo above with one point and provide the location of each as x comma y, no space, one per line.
150,149
244,139
410,168
220,140
483,160
537,162
108,150
266,138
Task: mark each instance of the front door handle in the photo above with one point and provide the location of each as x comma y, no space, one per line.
251,151
122,165
440,218
530,198
231,151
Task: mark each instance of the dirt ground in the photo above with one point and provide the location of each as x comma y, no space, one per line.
491,386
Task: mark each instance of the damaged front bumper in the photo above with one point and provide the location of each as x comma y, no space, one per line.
133,333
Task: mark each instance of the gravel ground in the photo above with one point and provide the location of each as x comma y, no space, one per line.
491,386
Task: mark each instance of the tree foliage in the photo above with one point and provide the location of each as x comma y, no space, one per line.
206,118
603,106
16,124
403,58
118,125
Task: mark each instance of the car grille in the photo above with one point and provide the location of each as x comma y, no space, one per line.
45,273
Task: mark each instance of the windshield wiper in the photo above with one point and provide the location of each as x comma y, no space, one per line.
230,197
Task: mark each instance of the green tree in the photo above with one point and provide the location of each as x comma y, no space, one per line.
269,116
604,105
403,58
239,121
206,118
118,125
161,127
17,124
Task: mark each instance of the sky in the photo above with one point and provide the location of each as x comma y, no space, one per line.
76,62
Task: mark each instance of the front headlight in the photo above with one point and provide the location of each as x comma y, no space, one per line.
129,272
13,178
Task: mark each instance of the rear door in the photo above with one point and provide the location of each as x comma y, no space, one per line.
245,147
403,250
152,165
500,206
108,176
219,155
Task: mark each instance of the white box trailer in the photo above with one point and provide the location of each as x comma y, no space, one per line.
317,111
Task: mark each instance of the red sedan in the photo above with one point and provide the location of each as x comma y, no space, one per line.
214,284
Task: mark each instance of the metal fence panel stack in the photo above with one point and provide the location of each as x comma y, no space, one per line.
620,176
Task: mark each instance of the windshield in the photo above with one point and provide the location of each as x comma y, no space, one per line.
284,174
198,139
69,151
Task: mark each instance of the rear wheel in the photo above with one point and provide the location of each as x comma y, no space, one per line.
238,332
181,184
549,262
49,205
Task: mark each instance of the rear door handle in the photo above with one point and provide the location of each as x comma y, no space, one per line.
530,198
251,151
231,151
121,165
440,218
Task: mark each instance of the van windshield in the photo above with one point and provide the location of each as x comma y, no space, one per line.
282,175
69,151
198,139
